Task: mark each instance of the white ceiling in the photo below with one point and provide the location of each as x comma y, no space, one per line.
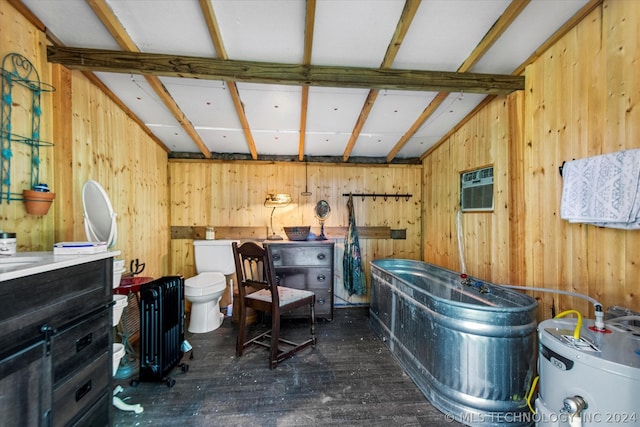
356,33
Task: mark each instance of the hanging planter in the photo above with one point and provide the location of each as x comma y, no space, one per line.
37,202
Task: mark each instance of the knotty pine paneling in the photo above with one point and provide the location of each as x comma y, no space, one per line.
110,148
585,110
232,194
580,100
93,139
18,36
482,141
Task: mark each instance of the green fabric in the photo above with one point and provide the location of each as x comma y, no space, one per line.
353,273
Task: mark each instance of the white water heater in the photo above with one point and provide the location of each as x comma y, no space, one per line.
596,377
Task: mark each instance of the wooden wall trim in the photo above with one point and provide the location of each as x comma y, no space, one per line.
260,233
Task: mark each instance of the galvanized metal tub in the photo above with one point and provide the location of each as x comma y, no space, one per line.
470,349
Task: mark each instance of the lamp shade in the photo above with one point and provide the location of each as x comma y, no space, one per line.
275,200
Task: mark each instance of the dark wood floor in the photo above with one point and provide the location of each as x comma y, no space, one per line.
349,378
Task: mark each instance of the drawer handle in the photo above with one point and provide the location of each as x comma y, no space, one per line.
322,256
276,257
84,342
321,277
320,301
82,391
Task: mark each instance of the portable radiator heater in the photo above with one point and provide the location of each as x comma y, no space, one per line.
161,328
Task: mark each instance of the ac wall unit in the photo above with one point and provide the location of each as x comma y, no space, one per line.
476,190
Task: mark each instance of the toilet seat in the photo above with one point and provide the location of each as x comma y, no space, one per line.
204,284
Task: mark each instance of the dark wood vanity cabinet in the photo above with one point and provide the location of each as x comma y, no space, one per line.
306,265
56,347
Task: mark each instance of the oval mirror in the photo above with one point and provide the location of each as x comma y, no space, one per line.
99,218
322,210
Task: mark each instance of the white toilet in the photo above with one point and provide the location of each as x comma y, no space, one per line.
214,259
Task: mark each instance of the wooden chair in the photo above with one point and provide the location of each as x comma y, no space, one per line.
258,289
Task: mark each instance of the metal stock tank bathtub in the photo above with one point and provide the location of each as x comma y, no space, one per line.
468,345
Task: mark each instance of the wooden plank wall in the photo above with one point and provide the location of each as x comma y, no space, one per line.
232,195
482,141
93,139
580,100
33,232
586,109
110,148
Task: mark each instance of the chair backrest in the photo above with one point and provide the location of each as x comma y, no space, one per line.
254,270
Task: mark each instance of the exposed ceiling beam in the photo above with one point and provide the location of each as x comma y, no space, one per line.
508,16
113,25
309,25
216,38
273,73
408,13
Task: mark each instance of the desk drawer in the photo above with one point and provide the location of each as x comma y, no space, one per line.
80,344
299,255
79,392
315,279
305,278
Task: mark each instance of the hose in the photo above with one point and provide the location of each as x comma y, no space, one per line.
530,394
625,318
599,325
596,305
576,331
463,267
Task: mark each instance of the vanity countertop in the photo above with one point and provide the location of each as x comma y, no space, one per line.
24,264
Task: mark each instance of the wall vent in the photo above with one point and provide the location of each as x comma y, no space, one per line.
476,190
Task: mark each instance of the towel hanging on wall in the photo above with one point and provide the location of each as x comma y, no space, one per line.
353,272
603,190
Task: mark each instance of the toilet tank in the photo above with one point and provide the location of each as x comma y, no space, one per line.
214,255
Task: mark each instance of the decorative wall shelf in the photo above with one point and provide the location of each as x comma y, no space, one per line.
18,72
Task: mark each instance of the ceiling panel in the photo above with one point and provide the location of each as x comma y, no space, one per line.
257,30
173,137
223,140
354,33
539,20
392,114
444,32
271,107
276,143
326,143
135,92
207,103
334,110
174,27
73,23
273,112
141,99
455,108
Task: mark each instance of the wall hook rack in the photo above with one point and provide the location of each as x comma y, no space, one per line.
385,196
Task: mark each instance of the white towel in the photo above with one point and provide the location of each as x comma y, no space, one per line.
603,190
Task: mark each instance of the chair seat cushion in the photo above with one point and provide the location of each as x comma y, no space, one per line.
286,295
